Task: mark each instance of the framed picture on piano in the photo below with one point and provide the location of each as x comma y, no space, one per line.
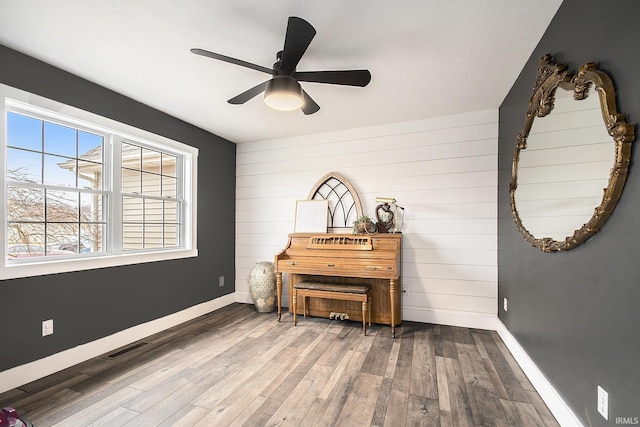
311,216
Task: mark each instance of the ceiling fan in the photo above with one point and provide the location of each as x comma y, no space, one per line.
283,90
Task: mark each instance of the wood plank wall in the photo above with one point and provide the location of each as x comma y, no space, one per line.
443,171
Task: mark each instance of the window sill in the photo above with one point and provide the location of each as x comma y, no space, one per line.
54,266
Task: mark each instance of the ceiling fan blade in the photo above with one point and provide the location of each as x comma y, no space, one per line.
309,106
231,60
297,40
348,78
248,94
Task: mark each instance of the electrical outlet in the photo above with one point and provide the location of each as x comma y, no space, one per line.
504,304
47,327
603,403
221,281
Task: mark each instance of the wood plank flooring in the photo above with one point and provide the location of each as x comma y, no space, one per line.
237,367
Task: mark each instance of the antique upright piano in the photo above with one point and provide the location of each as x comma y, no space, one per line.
345,259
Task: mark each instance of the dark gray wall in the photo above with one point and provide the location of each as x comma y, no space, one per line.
577,313
89,305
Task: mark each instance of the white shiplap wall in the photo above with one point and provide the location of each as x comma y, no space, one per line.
443,171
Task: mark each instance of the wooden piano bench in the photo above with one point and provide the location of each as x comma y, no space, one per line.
360,293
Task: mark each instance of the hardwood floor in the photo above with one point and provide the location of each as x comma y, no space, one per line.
236,367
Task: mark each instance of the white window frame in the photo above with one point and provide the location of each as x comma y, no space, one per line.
21,101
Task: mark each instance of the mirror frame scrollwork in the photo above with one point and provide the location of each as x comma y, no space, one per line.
549,77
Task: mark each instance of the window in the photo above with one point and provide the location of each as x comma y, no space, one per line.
54,189
82,191
150,205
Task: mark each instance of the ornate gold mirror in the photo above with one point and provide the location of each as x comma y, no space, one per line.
567,175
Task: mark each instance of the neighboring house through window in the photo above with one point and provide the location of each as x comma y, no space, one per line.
150,198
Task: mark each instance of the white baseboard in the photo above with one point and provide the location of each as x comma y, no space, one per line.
450,317
564,415
413,314
24,374
244,297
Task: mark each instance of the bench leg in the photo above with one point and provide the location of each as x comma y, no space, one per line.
295,306
304,305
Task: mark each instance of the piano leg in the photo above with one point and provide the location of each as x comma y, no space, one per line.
295,307
392,299
279,292
364,317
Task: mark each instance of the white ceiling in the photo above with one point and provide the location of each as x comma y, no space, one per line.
427,58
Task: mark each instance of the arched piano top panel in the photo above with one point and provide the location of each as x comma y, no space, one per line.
344,203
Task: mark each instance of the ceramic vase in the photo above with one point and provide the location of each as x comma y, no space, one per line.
262,284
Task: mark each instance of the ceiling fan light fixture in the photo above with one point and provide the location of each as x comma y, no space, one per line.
283,93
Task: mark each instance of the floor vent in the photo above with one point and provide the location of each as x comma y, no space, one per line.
126,350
